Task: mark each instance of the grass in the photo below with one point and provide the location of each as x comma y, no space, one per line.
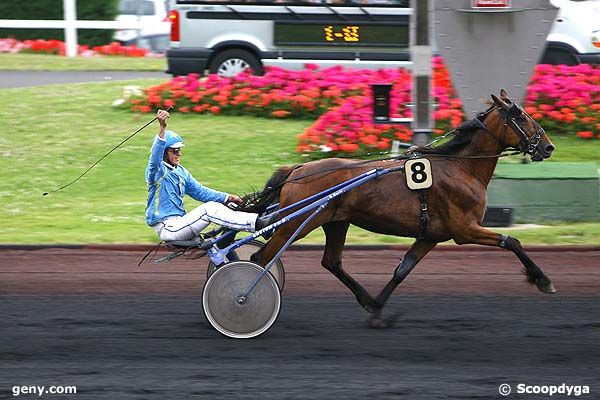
58,131
49,62
53,133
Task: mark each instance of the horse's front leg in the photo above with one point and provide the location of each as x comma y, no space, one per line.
335,237
476,234
418,250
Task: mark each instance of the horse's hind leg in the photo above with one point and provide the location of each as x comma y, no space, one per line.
335,234
479,235
415,254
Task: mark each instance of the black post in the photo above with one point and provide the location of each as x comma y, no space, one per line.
381,102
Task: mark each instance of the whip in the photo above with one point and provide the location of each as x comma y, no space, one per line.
103,157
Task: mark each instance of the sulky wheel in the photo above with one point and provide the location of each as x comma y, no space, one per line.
235,318
244,252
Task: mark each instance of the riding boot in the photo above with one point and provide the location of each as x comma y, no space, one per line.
263,222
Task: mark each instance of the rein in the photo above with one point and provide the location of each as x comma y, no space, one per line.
396,158
478,124
475,123
358,164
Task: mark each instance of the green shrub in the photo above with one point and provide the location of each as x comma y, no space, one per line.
102,10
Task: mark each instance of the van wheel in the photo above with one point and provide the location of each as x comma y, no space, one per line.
559,57
231,62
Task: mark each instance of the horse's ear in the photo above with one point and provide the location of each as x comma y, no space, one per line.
500,103
504,96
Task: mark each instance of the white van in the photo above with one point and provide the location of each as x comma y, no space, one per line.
575,35
228,37
153,14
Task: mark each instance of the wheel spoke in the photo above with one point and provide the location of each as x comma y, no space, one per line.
232,67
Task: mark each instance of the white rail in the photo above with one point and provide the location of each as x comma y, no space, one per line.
60,24
70,24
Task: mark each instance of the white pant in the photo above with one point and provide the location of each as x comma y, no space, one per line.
188,226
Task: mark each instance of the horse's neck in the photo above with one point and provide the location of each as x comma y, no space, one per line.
483,144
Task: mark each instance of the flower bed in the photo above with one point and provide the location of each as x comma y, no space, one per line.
11,45
349,128
279,94
340,98
563,99
566,99
58,47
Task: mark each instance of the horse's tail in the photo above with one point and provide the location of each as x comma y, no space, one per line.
258,202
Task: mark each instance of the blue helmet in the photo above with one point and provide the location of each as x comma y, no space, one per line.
173,140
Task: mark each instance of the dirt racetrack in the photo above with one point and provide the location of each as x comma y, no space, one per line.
463,323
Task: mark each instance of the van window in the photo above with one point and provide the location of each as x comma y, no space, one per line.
136,7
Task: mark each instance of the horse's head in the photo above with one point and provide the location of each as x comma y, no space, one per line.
524,132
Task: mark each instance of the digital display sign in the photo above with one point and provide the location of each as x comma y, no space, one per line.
341,34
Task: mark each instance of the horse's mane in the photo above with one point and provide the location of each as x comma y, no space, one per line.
463,135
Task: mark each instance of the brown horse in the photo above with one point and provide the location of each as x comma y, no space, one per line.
455,203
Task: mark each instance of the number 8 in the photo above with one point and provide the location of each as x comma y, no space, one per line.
418,172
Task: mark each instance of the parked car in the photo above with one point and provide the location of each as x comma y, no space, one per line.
154,35
575,34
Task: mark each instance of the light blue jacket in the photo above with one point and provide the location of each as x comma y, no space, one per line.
167,185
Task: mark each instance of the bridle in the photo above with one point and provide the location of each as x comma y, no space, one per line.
528,144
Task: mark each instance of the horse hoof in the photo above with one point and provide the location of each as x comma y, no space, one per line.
369,309
370,306
546,287
377,323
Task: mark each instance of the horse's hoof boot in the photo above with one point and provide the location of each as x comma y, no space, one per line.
547,287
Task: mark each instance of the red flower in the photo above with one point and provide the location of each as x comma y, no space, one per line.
530,110
280,113
382,145
220,98
370,139
348,147
585,134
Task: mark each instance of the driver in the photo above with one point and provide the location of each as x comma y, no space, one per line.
168,181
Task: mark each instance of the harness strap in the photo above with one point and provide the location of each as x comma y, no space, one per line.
424,218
